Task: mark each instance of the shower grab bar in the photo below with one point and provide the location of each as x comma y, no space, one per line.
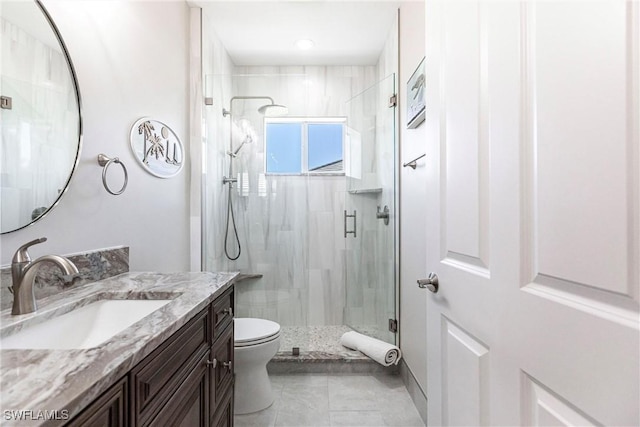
354,224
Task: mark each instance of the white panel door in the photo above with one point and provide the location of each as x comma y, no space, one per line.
533,218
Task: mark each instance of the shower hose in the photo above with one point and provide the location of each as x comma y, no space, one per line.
233,222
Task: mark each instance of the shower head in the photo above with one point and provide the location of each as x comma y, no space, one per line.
271,110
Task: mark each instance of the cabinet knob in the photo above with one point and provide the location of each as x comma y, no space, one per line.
228,365
212,364
229,311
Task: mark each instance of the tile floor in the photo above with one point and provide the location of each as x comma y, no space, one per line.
331,400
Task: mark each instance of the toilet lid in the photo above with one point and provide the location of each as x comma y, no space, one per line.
248,330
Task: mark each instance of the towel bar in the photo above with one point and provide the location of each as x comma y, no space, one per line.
412,164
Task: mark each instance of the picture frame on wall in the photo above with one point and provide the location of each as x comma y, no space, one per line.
415,97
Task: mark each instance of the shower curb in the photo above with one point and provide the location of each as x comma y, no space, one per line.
326,363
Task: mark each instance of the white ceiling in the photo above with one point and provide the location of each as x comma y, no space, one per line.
265,32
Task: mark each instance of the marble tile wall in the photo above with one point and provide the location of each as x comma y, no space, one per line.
290,228
92,266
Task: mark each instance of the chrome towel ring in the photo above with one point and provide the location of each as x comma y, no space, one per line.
105,162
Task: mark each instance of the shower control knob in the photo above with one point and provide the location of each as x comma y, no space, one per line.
431,283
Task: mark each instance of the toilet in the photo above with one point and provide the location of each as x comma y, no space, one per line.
256,342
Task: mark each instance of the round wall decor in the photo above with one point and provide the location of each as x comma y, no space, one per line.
156,147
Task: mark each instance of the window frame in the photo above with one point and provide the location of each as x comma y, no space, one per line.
304,142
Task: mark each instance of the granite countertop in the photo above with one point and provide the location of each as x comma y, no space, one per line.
68,380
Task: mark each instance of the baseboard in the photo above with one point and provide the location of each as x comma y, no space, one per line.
418,395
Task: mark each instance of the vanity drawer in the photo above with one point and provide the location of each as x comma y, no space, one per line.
222,313
155,378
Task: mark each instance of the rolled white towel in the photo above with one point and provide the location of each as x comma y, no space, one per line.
384,353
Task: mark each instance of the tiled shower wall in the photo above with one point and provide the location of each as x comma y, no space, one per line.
290,227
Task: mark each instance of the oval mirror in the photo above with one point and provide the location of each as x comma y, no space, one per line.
40,119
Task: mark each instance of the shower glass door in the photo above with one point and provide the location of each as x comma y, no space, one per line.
370,211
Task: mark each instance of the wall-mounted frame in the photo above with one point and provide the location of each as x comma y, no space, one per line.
156,147
415,97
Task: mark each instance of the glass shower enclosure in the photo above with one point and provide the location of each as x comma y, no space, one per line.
370,212
319,251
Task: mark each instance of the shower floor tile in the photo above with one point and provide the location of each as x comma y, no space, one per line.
318,342
324,339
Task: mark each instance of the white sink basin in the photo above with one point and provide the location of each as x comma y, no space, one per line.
84,327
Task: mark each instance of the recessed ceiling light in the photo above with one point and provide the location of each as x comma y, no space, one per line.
305,44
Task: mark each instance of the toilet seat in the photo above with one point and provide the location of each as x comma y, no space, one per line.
250,332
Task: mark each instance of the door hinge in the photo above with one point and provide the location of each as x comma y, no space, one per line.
393,325
393,100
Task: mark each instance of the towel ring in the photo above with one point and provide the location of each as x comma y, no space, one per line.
105,162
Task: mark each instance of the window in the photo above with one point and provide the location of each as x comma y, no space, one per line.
304,145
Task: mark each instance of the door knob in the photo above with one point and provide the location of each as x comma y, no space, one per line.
431,282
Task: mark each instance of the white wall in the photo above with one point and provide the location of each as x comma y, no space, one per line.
413,184
131,59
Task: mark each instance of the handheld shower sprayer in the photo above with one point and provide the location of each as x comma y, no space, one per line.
245,128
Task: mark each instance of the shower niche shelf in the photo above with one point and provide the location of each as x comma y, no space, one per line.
247,276
376,190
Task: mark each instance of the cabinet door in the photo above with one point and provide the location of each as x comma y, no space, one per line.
155,379
224,413
108,410
188,407
222,369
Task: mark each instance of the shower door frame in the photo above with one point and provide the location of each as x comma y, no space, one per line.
394,214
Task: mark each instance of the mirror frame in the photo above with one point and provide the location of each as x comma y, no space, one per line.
74,79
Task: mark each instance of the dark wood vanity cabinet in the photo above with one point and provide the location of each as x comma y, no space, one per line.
188,406
108,410
187,381
221,385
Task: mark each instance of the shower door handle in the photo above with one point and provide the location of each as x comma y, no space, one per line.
383,214
354,224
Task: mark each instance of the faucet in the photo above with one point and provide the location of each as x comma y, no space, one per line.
23,272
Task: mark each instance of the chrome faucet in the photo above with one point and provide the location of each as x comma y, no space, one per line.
23,272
